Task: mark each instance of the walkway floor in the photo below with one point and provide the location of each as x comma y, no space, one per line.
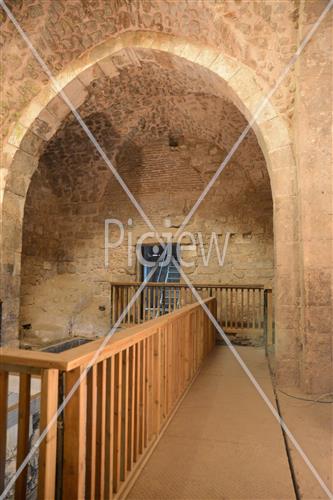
223,441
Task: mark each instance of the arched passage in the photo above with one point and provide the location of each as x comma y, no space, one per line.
224,76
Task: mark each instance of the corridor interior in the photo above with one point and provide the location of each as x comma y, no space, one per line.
223,442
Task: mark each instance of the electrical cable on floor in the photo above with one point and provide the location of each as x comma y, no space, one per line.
318,400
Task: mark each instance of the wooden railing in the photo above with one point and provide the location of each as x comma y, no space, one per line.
116,415
240,309
269,323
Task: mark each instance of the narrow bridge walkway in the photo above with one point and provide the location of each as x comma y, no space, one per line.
223,441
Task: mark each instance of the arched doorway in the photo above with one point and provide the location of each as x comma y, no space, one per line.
224,77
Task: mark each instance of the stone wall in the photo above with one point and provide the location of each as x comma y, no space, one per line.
260,34
65,286
245,46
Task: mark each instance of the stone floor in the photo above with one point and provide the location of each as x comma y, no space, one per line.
311,425
223,441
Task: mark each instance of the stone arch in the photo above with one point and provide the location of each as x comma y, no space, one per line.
41,119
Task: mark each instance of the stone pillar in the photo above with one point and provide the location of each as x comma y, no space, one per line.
313,122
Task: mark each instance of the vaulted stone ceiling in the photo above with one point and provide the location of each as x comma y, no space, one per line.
155,97
62,31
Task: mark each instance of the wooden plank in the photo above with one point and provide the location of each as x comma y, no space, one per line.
3,425
137,402
117,421
121,284
156,424
131,408
150,388
109,428
91,433
23,434
100,434
75,436
124,415
48,448
143,441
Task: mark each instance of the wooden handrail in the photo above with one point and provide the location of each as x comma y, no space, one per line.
240,308
118,412
82,354
184,285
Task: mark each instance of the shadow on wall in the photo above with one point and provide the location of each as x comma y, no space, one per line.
63,289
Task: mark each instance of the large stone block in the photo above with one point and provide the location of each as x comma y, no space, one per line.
318,287
243,83
275,134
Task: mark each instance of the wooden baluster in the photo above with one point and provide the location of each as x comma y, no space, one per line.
100,435
261,309
150,291
111,308
257,301
132,310
127,300
145,303
143,442
236,310
242,309
153,289
159,291
254,307
156,291
124,415
148,303
226,305
147,381
75,436
3,425
137,401
270,318
48,448
141,396
23,434
91,433
131,409
164,374
218,296
156,424
119,292
109,427
117,421
136,307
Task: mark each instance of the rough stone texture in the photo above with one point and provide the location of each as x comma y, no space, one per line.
245,45
260,34
314,163
64,280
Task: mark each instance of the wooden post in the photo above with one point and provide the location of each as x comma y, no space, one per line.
269,318
109,437
23,434
157,383
91,433
117,420
100,429
75,437
48,447
3,425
